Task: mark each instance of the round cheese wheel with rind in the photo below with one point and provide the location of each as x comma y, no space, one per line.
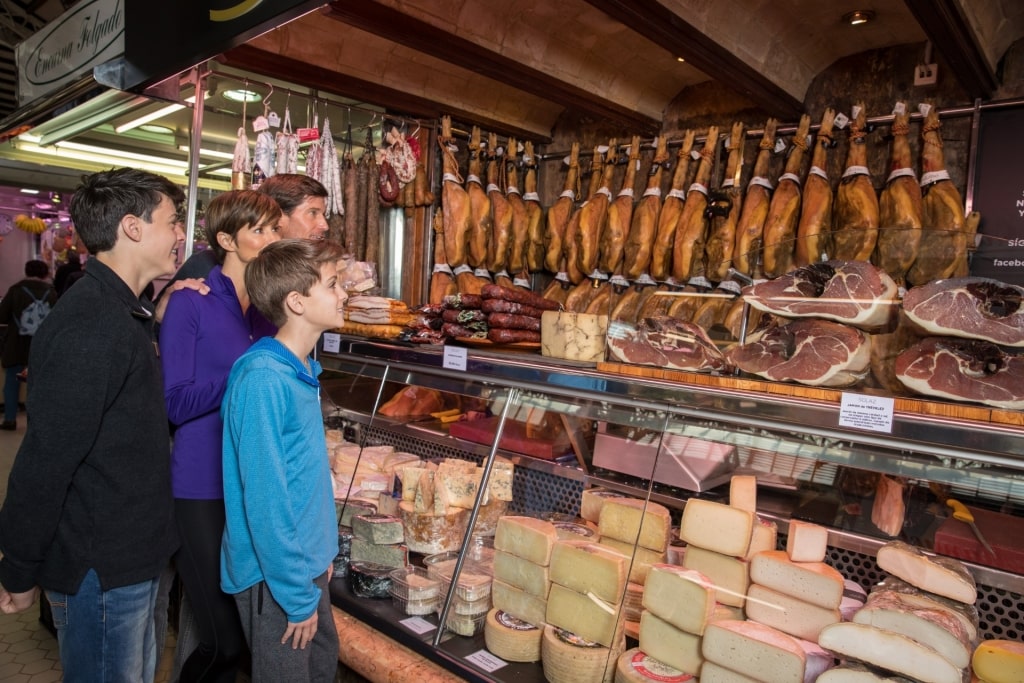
999,661
512,639
636,667
567,658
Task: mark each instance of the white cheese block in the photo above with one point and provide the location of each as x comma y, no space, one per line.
526,537
647,524
966,614
590,568
764,537
683,597
592,500
755,650
807,542
937,629
567,658
642,558
888,650
518,603
999,661
377,528
584,615
813,582
940,575
855,672
512,639
714,526
668,644
574,336
788,614
743,492
730,575
716,673
636,666
515,571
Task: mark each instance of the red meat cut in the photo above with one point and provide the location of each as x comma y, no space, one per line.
664,342
964,370
969,307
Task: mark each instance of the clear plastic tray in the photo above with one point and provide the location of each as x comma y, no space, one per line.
414,607
473,584
414,584
465,624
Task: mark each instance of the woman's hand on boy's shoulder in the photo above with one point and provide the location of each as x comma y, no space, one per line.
197,284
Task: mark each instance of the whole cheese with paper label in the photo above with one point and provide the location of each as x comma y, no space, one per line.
636,666
569,658
646,523
714,526
512,639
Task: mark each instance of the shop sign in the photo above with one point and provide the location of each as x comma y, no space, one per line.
85,36
165,38
999,196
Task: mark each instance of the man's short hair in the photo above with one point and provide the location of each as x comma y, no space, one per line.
36,268
291,265
104,198
232,211
291,189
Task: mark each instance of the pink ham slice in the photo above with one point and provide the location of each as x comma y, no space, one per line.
970,307
963,370
853,292
809,351
664,342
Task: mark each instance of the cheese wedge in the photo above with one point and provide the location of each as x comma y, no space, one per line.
714,526
730,575
764,537
940,575
668,644
592,500
966,614
590,568
892,651
716,673
518,603
999,661
807,542
584,615
743,492
755,650
682,597
649,524
526,537
937,629
515,571
813,582
641,561
788,614
855,672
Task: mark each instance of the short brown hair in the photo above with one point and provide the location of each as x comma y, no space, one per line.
232,211
291,189
291,265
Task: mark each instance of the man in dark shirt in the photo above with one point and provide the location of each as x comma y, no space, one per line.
88,513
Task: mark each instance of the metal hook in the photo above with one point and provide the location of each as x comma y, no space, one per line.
266,100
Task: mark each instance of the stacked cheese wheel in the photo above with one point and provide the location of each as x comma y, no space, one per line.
522,555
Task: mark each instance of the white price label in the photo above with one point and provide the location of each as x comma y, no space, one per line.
274,120
900,108
780,146
872,413
417,625
455,358
486,661
332,342
841,121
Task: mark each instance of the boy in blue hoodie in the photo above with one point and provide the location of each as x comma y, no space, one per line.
281,536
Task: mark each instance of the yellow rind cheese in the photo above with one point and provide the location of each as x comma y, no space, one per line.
646,523
512,639
788,614
682,597
590,568
743,492
730,575
999,661
714,526
533,578
592,500
526,537
642,560
668,644
584,615
813,582
806,542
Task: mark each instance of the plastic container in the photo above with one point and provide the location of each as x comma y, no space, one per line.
473,584
465,624
413,592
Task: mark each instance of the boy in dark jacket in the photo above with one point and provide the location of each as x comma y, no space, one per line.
21,295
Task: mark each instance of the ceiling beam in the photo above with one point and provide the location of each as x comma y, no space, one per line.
951,34
421,36
660,25
277,66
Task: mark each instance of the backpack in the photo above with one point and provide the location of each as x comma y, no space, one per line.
32,317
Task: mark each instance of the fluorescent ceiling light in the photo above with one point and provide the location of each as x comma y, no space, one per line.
152,116
155,164
133,156
212,153
153,128
239,95
26,190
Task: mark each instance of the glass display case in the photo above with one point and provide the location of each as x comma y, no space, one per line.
567,427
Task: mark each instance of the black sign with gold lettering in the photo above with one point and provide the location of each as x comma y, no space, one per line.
999,196
163,38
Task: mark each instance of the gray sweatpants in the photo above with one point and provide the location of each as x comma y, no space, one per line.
264,622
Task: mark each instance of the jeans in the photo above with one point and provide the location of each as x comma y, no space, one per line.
106,636
12,387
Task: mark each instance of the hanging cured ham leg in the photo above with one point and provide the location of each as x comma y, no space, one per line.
514,195
560,212
691,230
640,243
501,211
725,208
592,217
812,232
671,209
943,245
855,214
479,206
784,212
571,243
620,215
746,257
534,214
454,199
900,208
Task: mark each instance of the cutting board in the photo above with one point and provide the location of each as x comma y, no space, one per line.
513,438
1003,532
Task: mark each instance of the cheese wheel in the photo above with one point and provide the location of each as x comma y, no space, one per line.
667,644
940,575
635,666
743,492
730,575
592,500
683,597
526,537
712,672
717,527
568,658
515,571
590,568
510,638
646,523
999,661
807,542
755,650
642,558
584,615
518,603
633,602
571,531
814,582
790,615
429,533
888,650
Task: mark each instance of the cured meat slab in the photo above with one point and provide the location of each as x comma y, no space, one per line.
664,342
514,437
852,292
1003,532
964,370
809,351
970,307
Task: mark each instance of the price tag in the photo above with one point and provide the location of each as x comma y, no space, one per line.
274,120
841,121
780,146
417,625
486,661
873,413
332,342
455,358
695,154
924,108
900,108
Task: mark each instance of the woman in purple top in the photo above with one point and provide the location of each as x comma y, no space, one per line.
200,339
